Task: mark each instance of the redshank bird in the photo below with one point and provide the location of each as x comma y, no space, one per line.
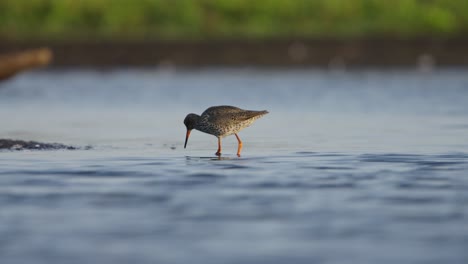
222,121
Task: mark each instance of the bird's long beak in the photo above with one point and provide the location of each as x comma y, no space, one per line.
186,137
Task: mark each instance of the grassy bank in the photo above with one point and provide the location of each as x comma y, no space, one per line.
210,19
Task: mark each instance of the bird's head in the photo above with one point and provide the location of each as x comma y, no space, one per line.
190,122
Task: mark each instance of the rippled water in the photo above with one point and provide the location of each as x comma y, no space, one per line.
360,166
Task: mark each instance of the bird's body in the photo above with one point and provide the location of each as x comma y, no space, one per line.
222,121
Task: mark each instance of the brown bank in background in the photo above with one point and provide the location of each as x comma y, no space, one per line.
295,52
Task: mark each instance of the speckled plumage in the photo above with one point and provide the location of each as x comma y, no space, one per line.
222,121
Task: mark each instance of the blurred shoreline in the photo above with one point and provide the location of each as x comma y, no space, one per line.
331,53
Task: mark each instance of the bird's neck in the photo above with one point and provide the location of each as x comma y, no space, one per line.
196,119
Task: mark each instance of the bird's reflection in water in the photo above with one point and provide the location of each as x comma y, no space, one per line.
207,158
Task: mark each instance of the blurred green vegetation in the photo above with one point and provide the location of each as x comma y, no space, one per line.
220,19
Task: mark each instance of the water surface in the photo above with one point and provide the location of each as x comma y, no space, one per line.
362,166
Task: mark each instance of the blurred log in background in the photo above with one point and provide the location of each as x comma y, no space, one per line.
13,63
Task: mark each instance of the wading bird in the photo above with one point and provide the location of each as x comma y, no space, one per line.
222,121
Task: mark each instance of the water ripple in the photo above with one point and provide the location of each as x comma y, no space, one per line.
333,198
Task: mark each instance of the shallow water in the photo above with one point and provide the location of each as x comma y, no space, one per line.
360,166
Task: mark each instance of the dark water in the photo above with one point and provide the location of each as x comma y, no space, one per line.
360,166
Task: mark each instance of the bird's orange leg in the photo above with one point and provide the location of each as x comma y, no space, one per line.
218,153
239,147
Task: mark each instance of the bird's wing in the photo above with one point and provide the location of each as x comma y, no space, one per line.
236,116
222,109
